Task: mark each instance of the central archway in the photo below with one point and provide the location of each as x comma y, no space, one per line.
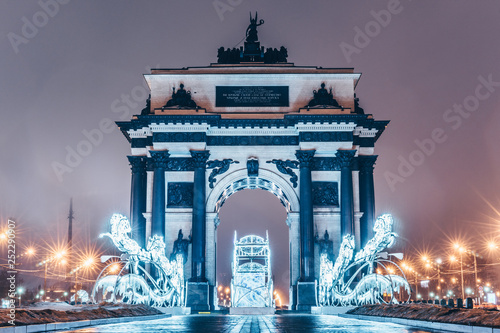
254,212
269,181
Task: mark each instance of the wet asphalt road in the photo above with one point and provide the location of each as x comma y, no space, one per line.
253,324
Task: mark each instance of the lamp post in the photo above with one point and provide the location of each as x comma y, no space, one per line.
462,274
58,256
416,285
476,292
44,282
474,254
439,262
461,250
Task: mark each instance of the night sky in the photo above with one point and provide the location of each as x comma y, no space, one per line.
430,67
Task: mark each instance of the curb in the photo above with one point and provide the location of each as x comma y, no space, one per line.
76,324
426,324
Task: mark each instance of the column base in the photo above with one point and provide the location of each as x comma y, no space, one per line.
292,294
198,296
306,296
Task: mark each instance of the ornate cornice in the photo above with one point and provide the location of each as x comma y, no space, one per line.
345,157
180,164
325,136
264,140
325,164
366,163
141,142
200,158
137,163
179,137
159,158
173,164
305,157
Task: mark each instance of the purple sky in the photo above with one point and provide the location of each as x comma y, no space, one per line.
63,78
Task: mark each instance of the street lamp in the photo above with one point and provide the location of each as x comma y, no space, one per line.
57,256
439,262
20,291
462,250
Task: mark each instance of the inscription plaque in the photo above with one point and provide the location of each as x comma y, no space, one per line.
248,96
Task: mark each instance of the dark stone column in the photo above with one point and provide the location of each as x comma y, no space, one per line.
306,216
366,197
345,158
138,198
160,159
200,158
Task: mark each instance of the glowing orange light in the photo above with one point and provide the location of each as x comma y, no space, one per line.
114,268
60,254
88,262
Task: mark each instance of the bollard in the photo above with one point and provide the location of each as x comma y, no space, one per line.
451,303
443,302
469,304
460,303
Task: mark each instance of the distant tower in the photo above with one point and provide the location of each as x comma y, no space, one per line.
70,238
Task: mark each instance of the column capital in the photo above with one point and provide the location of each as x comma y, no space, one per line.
137,163
366,163
160,158
305,157
200,158
345,157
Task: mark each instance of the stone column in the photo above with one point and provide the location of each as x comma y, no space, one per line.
366,197
138,198
200,158
345,158
160,159
306,216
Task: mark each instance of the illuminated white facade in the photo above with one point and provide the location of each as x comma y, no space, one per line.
252,120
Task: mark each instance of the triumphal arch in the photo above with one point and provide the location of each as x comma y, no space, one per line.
252,120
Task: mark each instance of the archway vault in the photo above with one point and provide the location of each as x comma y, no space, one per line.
239,180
